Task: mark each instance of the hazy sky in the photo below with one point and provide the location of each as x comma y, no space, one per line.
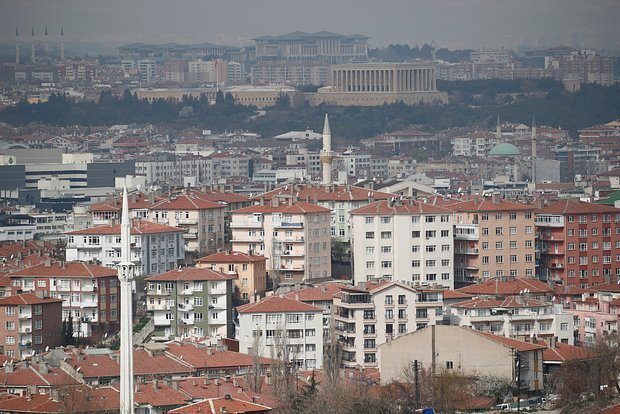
454,23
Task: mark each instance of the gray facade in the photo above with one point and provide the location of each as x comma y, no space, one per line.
102,174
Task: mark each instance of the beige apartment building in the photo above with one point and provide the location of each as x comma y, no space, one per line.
294,236
492,238
202,219
250,272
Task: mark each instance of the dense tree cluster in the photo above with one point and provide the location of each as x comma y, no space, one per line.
399,53
472,104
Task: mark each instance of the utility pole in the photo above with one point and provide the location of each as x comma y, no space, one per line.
518,363
416,381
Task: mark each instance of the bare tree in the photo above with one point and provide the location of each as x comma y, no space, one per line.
254,375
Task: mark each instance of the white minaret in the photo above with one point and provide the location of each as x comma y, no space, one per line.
534,138
62,43
17,45
47,41
125,275
498,131
326,153
33,47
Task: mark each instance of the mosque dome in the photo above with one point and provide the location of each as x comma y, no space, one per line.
504,150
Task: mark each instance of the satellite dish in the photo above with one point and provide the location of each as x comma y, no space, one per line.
78,369
105,335
181,357
47,348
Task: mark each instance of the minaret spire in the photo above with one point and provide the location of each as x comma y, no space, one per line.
326,154
16,45
62,43
534,155
125,275
32,51
47,41
498,130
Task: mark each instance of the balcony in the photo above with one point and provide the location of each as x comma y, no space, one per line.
162,322
158,307
188,221
467,251
549,221
88,304
25,315
188,291
289,224
466,232
25,329
192,235
89,288
246,224
186,307
293,253
292,239
293,267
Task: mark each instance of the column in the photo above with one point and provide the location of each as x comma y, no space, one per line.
435,79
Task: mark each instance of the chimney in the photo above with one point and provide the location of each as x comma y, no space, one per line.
55,394
235,382
227,397
268,379
175,385
43,368
209,351
274,202
155,384
261,201
552,342
227,378
217,382
290,201
496,198
9,367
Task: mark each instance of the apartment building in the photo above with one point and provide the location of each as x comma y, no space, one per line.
108,212
579,243
473,144
596,313
368,316
340,199
155,248
403,240
293,236
466,351
249,272
89,292
282,328
202,220
515,317
30,324
191,302
493,237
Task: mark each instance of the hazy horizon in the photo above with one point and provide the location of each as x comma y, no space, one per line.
450,23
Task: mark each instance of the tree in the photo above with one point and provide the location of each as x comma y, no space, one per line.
340,251
69,332
59,252
283,101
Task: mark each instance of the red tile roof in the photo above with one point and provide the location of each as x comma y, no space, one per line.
487,204
605,287
69,269
27,299
186,202
564,352
576,207
190,273
318,293
136,201
138,227
405,207
510,302
23,376
231,257
275,303
507,288
455,294
219,405
334,192
202,388
520,346
104,399
158,394
299,207
199,358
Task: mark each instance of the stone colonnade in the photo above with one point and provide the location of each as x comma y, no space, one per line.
358,79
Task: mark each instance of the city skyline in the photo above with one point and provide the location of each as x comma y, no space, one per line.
450,23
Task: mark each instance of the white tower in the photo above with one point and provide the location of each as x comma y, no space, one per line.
16,45
33,47
498,131
47,41
534,155
125,275
326,153
62,43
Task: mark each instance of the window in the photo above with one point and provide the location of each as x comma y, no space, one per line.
402,314
370,264
370,358
528,258
449,365
415,248
370,249
310,332
9,325
415,234
499,259
431,248
499,231
386,249
431,233
498,216
198,301
415,263
370,234
294,318
445,247
369,220
499,245
430,263
9,310
386,220
369,329
369,314
10,340
485,231
445,218
386,264
402,300
389,314
389,300
430,219
370,343
198,316
386,234
445,262
484,217
38,324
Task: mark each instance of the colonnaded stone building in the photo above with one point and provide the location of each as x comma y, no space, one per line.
368,84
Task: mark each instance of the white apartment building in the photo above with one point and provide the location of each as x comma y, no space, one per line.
155,248
294,237
515,317
340,199
364,319
283,328
202,219
403,240
474,144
